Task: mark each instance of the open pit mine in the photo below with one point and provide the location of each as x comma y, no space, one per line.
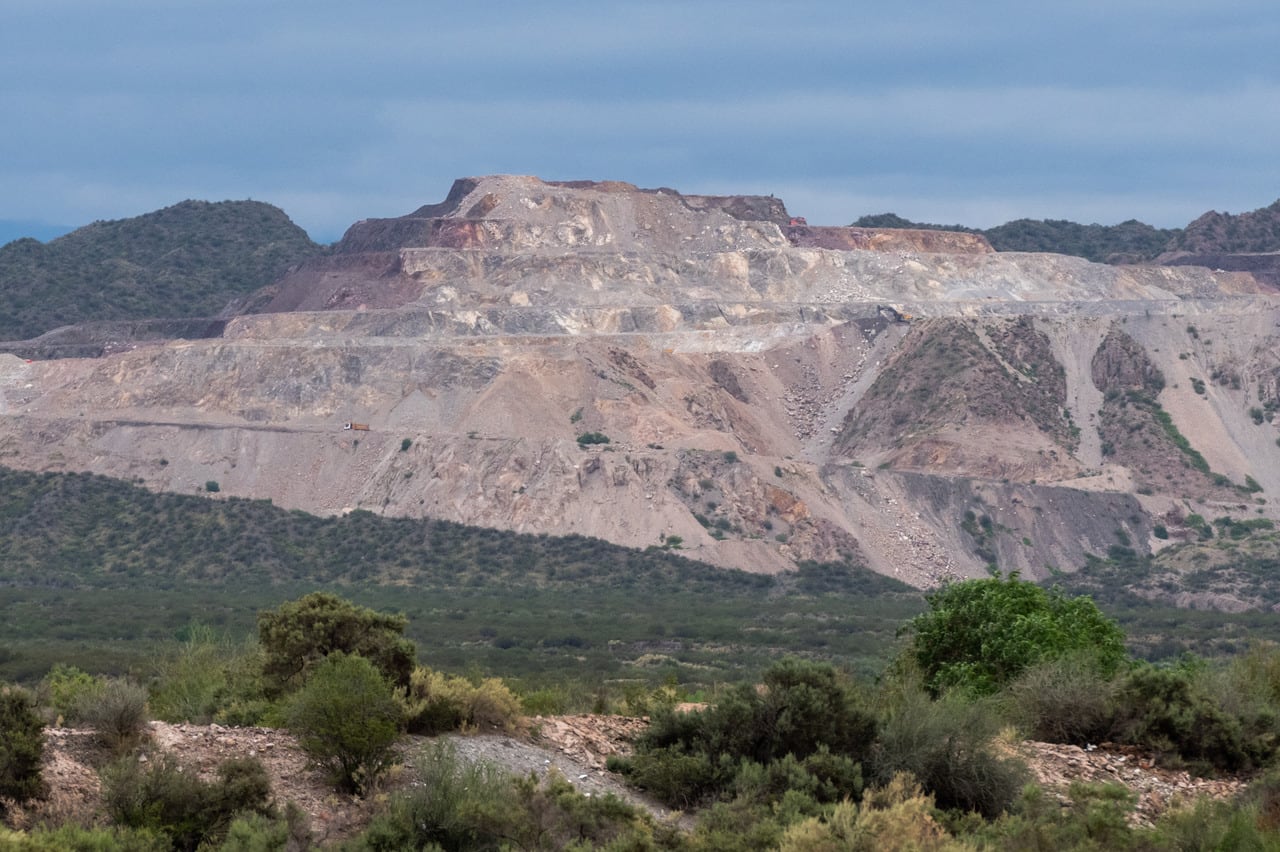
659,369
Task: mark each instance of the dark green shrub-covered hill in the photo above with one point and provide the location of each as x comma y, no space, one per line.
188,260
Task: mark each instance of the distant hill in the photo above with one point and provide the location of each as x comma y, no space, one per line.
1213,236
188,260
1223,233
1128,242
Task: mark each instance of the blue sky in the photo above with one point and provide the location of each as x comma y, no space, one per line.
971,112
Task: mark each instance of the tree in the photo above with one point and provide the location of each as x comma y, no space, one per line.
980,634
346,719
299,634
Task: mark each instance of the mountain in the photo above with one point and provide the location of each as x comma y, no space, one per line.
645,366
188,260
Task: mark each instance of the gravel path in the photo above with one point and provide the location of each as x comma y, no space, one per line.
523,758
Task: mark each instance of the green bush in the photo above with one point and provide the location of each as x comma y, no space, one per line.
1169,711
160,796
979,635
212,486
347,719
592,438
802,709
117,712
21,747
257,832
64,687
1063,701
947,745
299,634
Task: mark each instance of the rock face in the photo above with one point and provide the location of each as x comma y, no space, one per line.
758,406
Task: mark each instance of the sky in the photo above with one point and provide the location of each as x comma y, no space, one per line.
973,112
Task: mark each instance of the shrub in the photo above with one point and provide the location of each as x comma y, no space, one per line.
74,838
461,805
209,678
675,777
212,486
802,710
21,747
346,719
1213,824
406,444
1094,817
436,703
64,687
1167,710
160,796
979,635
454,806
1063,701
117,712
257,832
947,746
801,707
592,438
299,634
895,818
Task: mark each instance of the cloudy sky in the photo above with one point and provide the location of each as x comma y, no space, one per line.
974,112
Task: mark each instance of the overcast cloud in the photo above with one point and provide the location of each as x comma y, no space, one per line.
973,112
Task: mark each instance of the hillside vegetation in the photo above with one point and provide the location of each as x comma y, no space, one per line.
188,260
1130,241
95,571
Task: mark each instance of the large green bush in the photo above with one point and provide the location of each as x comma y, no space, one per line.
347,719
299,634
979,635
21,747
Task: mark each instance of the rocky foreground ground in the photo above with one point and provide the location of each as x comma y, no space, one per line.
576,747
